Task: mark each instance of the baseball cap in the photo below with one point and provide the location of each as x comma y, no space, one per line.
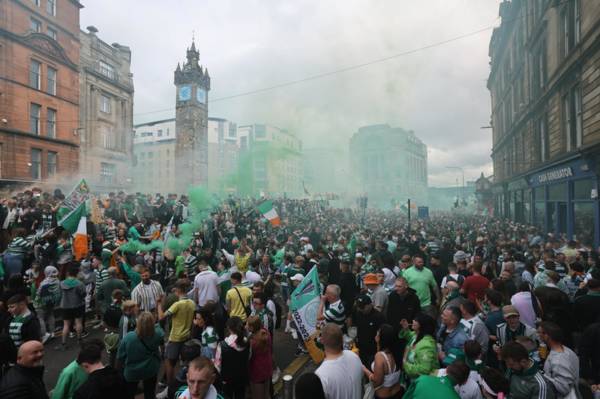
453,355
509,310
297,277
363,300
370,278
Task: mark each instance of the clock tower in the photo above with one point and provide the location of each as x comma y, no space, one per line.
191,122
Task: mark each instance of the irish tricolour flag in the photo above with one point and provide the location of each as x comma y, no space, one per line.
267,210
80,242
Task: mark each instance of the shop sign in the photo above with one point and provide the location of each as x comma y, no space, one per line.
553,175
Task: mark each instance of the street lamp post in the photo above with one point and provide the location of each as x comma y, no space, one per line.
463,178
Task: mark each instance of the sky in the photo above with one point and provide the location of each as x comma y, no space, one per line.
439,92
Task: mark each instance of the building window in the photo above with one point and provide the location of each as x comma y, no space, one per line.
51,81
107,173
106,69
104,104
542,139
539,68
34,118
52,162
36,163
570,26
36,2
160,132
572,118
35,74
35,25
52,33
51,122
51,7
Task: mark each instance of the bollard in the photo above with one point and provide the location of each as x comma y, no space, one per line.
288,386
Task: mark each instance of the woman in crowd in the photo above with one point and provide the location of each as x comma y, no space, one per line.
385,371
139,355
231,359
420,355
261,363
204,330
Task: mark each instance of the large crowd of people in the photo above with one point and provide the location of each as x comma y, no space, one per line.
453,306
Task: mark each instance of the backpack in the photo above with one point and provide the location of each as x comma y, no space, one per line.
49,295
460,280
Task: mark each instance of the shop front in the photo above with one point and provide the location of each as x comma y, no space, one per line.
561,199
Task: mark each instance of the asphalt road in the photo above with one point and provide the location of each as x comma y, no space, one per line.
56,360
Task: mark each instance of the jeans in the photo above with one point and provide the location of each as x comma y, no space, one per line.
149,388
46,318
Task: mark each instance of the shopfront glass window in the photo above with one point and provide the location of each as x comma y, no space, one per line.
582,189
557,192
539,193
527,206
584,227
540,214
552,212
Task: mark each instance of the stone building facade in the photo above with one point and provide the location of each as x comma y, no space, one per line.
223,153
39,91
106,113
191,114
545,90
270,161
154,149
390,165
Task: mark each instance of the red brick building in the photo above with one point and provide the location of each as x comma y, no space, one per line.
39,90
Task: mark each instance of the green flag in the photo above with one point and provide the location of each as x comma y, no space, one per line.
71,220
71,204
304,303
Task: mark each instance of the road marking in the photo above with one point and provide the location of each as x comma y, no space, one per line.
291,369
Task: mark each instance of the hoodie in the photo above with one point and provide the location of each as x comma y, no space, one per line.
73,293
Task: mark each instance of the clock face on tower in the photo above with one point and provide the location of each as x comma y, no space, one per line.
201,95
185,93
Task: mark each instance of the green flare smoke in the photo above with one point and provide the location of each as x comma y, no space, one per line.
201,204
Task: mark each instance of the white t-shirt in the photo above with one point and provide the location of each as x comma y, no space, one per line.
206,283
342,377
470,389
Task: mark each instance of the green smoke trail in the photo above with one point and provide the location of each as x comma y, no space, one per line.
134,246
201,204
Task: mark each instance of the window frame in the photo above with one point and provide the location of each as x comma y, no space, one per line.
37,75
51,123
36,163
51,32
52,166
51,7
35,25
105,104
106,69
36,118
51,78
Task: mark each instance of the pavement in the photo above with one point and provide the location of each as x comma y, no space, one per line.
56,360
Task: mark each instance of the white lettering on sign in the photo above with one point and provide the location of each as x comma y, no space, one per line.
555,175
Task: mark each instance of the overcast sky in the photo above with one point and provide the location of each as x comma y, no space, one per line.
440,93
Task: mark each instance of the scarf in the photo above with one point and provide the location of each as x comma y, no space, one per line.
51,274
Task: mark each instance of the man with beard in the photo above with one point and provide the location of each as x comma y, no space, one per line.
146,292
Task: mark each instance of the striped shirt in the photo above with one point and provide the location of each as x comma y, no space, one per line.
19,245
209,338
101,277
190,265
335,313
266,319
145,295
14,328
